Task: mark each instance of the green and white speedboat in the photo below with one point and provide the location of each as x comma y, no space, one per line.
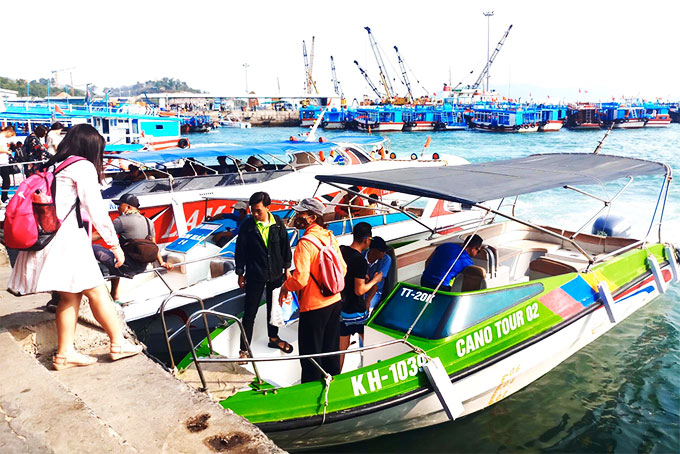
535,296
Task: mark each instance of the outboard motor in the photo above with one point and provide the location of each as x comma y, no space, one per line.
612,225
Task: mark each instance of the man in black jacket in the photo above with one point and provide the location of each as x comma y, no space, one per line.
263,257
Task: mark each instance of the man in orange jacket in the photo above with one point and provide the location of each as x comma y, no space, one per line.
319,327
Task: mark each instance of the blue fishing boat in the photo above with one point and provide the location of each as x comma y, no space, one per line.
622,116
449,117
334,119
552,117
309,115
506,118
380,119
419,118
658,115
118,125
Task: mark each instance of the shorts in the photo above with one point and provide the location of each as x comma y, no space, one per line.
348,330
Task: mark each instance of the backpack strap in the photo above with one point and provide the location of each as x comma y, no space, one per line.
319,245
53,190
148,228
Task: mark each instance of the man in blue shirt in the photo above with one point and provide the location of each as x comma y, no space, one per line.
438,267
378,262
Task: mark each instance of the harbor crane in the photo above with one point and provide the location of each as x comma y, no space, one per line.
55,73
368,80
404,75
491,59
389,91
309,81
336,84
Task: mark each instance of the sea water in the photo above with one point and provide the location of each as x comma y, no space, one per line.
619,394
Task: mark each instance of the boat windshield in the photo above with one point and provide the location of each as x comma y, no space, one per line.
449,313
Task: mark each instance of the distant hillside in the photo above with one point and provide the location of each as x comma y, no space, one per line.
153,86
37,87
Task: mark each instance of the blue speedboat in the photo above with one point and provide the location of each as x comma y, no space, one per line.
505,118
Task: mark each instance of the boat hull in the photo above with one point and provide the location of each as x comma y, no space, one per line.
489,128
658,123
551,126
498,379
334,125
419,126
380,127
584,126
630,124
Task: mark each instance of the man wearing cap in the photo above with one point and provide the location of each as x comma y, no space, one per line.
379,262
130,225
263,257
319,326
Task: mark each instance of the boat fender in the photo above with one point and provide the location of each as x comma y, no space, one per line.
382,153
607,299
435,156
670,255
393,155
658,276
441,383
183,143
414,156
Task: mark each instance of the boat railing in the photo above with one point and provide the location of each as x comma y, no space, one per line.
311,357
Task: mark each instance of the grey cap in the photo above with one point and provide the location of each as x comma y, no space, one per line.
240,206
312,205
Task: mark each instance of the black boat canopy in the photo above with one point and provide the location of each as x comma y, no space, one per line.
475,183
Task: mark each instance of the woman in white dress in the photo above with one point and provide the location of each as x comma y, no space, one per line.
54,138
67,264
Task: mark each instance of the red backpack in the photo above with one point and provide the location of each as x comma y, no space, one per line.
331,277
31,216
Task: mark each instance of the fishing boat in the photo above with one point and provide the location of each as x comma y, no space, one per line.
379,119
552,118
510,118
334,119
449,117
583,116
419,118
535,295
622,116
309,115
657,115
117,125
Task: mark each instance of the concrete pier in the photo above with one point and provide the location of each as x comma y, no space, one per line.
267,117
128,406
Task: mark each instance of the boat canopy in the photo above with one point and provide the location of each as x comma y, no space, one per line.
240,151
475,183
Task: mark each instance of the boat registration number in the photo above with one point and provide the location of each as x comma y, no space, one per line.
400,371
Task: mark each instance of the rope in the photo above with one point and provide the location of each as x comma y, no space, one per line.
327,385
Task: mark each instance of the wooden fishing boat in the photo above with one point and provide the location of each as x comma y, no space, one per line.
534,296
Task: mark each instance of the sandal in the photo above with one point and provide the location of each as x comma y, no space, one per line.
73,359
282,345
124,350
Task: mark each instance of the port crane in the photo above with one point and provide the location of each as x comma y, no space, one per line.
309,62
389,91
368,80
404,75
336,84
491,59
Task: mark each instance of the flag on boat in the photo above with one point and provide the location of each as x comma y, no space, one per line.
58,110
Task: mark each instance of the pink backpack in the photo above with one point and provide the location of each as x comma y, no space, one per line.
331,277
30,218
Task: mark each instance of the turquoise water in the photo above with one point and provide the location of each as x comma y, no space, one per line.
619,394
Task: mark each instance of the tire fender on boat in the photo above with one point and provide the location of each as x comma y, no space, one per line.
183,143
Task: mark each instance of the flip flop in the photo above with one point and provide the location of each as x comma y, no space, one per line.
73,359
282,345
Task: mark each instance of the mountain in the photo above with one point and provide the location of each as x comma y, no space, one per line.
152,86
38,88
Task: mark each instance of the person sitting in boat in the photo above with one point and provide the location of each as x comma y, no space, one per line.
349,203
253,164
130,225
263,258
357,284
238,215
379,262
319,325
448,260
223,166
133,174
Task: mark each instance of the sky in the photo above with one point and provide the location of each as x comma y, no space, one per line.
573,51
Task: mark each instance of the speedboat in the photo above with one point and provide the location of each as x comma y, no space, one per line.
535,295
231,122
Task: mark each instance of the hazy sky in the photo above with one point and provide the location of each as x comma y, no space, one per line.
608,48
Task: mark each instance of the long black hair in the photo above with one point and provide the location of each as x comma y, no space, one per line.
82,140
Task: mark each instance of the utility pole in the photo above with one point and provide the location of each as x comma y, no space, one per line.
245,67
488,15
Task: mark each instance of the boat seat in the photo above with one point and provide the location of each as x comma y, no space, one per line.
391,278
221,266
471,278
546,267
